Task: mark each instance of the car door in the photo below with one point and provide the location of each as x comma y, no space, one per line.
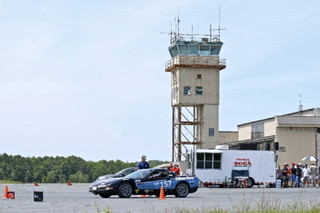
155,180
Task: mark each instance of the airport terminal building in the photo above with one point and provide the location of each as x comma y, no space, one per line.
292,136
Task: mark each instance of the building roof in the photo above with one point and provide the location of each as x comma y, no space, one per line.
298,121
250,141
311,111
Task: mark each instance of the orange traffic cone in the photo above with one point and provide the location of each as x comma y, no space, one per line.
69,184
5,195
161,196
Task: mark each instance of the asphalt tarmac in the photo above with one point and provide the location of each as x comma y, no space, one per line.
76,198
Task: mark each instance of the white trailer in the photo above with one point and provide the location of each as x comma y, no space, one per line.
216,166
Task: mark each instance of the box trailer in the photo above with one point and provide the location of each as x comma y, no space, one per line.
217,166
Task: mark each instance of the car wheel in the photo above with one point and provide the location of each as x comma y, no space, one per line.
250,182
104,195
181,190
125,190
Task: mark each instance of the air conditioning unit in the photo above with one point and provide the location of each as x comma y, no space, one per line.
222,147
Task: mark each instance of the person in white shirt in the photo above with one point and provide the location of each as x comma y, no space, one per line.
305,175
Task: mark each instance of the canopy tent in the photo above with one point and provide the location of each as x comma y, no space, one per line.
310,158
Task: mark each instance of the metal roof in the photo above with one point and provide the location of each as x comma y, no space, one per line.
306,121
250,141
315,111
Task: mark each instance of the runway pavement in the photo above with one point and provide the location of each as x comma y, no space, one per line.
76,198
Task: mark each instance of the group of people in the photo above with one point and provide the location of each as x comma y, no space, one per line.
143,164
298,175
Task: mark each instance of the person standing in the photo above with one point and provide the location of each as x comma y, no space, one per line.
143,163
279,174
293,174
285,177
313,174
298,175
175,169
305,175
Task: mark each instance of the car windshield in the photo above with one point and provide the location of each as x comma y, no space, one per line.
140,174
121,172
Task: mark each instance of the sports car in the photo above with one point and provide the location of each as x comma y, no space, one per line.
146,182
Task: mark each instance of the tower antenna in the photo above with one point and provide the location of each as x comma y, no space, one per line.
178,22
300,104
191,32
171,28
210,29
219,28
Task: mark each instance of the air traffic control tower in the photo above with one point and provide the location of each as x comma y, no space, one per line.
195,75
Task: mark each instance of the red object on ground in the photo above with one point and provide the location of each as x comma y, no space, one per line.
11,195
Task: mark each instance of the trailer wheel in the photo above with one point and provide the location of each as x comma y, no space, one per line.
250,182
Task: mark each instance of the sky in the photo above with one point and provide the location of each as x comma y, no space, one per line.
86,77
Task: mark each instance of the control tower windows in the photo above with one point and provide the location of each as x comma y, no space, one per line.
204,50
199,91
187,90
194,49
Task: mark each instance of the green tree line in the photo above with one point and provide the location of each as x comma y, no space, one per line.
59,169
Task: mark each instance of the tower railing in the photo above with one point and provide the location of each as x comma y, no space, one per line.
195,61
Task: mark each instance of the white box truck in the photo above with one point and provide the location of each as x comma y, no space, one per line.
217,166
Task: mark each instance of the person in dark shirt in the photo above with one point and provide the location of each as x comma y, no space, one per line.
293,174
298,175
143,163
285,177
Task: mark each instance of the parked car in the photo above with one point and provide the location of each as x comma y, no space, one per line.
121,173
146,182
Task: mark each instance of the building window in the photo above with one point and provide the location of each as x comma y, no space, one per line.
199,91
211,131
257,130
187,90
199,76
208,160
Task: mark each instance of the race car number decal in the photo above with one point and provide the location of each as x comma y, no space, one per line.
165,184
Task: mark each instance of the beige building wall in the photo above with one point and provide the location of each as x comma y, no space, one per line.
298,143
227,136
244,132
210,112
270,128
209,81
